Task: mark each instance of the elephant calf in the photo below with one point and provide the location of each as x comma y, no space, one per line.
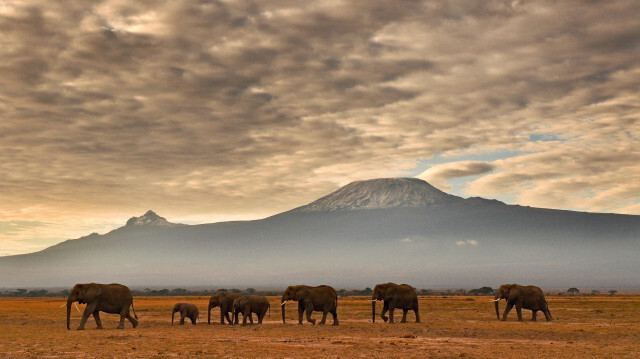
248,304
187,310
527,297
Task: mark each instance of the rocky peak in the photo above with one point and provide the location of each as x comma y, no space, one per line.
381,193
149,219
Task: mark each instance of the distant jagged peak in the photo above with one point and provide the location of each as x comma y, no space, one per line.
382,193
149,219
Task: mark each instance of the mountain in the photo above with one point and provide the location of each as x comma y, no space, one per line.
381,193
150,218
367,232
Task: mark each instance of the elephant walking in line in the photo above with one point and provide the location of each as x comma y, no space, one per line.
248,304
527,297
321,298
108,298
187,310
394,296
225,302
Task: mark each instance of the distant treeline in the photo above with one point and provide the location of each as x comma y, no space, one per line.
176,292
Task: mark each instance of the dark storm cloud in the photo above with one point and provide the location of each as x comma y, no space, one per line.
204,106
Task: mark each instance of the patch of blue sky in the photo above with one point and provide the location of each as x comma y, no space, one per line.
545,137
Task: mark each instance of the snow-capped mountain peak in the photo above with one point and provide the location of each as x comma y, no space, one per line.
381,193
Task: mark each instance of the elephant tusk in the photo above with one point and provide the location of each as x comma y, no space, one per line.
74,303
64,305
281,304
495,300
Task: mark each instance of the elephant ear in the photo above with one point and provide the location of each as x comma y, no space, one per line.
301,293
92,292
510,290
390,291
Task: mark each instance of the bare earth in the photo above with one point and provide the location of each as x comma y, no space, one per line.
452,327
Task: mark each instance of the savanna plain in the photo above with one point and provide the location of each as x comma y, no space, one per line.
451,327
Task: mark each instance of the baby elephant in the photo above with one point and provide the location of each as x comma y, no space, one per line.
187,310
248,304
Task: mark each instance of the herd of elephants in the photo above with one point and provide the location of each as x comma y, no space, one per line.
117,299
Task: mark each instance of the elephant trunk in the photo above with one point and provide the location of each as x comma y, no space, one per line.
69,301
282,307
496,301
209,315
172,314
373,310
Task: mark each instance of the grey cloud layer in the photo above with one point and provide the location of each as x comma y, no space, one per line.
202,107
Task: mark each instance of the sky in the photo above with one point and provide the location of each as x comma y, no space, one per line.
207,111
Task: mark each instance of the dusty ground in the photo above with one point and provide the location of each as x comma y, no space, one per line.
452,327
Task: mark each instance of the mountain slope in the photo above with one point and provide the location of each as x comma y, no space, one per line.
366,232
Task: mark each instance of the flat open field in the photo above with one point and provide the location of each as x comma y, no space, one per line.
452,327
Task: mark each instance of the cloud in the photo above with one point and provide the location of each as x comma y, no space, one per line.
468,242
220,108
406,240
438,175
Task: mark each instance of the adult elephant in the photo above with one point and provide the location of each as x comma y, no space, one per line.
321,298
187,310
394,296
224,301
108,298
248,304
527,297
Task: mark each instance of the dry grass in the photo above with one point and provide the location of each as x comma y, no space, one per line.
453,327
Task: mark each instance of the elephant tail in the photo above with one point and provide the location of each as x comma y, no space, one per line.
269,311
134,311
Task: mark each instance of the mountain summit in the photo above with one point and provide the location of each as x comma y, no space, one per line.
381,193
149,218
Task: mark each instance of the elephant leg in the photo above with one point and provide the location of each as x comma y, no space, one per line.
309,311
224,314
96,316
324,317
415,310
246,313
183,315
133,320
391,310
385,308
88,310
261,316
519,311
300,312
506,311
404,315
124,313
533,315
193,319
250,317
334,312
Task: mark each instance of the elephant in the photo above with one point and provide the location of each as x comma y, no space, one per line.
321,298
248,304
187,310
527,297
224,301
109,298
395,296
